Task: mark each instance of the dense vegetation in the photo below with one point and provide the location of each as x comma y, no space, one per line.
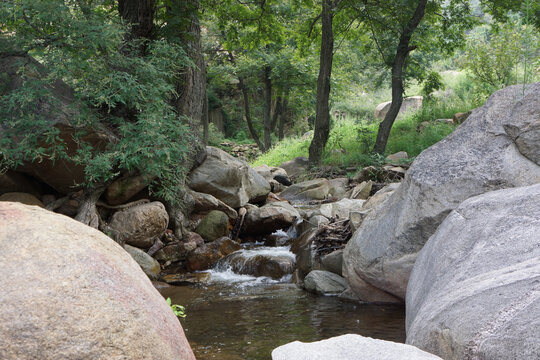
152,74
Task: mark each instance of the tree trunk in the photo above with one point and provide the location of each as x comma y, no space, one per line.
267,116
277,112
322,118
283,116
247,114
87,213
140,15
402,52
205,118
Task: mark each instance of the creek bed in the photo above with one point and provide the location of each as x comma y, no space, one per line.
242,317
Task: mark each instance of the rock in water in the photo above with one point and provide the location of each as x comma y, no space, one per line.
148,264
350,347
476,158
474,292
70,292
228,179
324,283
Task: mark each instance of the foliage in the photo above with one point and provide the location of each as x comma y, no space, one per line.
432,82
85,44
178,310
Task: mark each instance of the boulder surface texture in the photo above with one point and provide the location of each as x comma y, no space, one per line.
70,292
350,347
474,292
229,179
478,157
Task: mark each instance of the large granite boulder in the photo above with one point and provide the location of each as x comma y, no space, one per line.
139,225
474,292
204,203
229,179
476,158
410,104
214,226
70,292
350,347
270,217
23,198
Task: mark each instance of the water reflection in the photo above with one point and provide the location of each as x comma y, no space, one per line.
247,321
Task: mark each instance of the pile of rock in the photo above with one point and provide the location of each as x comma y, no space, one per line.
247,152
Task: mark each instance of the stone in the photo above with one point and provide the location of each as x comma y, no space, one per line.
317,189
247,262
207,255
350,347
422,126
333,262
140,225
174,252
122,190
269,218
474,292
180,212
380,196
296,166
229,179
341,209
477,157
264,171
23,198
12,181
73,293
410,104
64,176
276,186
148,264
339,187
397,158
366,174
444,121
213,226
305,253
324,283
186,279
362,190
312,222
459,118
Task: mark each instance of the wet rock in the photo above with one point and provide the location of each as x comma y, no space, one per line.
148,264
213,226
305,252
189,278
324,283
121,190
269,218
73,293
207,255
228,179
362,190
317,189
204,203
410,104
477,157
23,198
333,262
350,347
174,252
140,225
474,291
296,166
248,262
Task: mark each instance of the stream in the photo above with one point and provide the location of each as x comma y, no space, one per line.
239,317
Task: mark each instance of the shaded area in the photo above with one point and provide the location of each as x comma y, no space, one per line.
247,321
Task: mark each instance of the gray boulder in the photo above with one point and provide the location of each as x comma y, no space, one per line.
474,292
140,225
317,189
148,264
270,217
410,104
342,208
476,158
214,226
350,347
70,292
229,179
324,283
333,262
204,203
296,166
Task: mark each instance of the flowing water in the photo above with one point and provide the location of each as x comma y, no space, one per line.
245,317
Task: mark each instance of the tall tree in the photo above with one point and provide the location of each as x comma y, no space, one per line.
322,117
